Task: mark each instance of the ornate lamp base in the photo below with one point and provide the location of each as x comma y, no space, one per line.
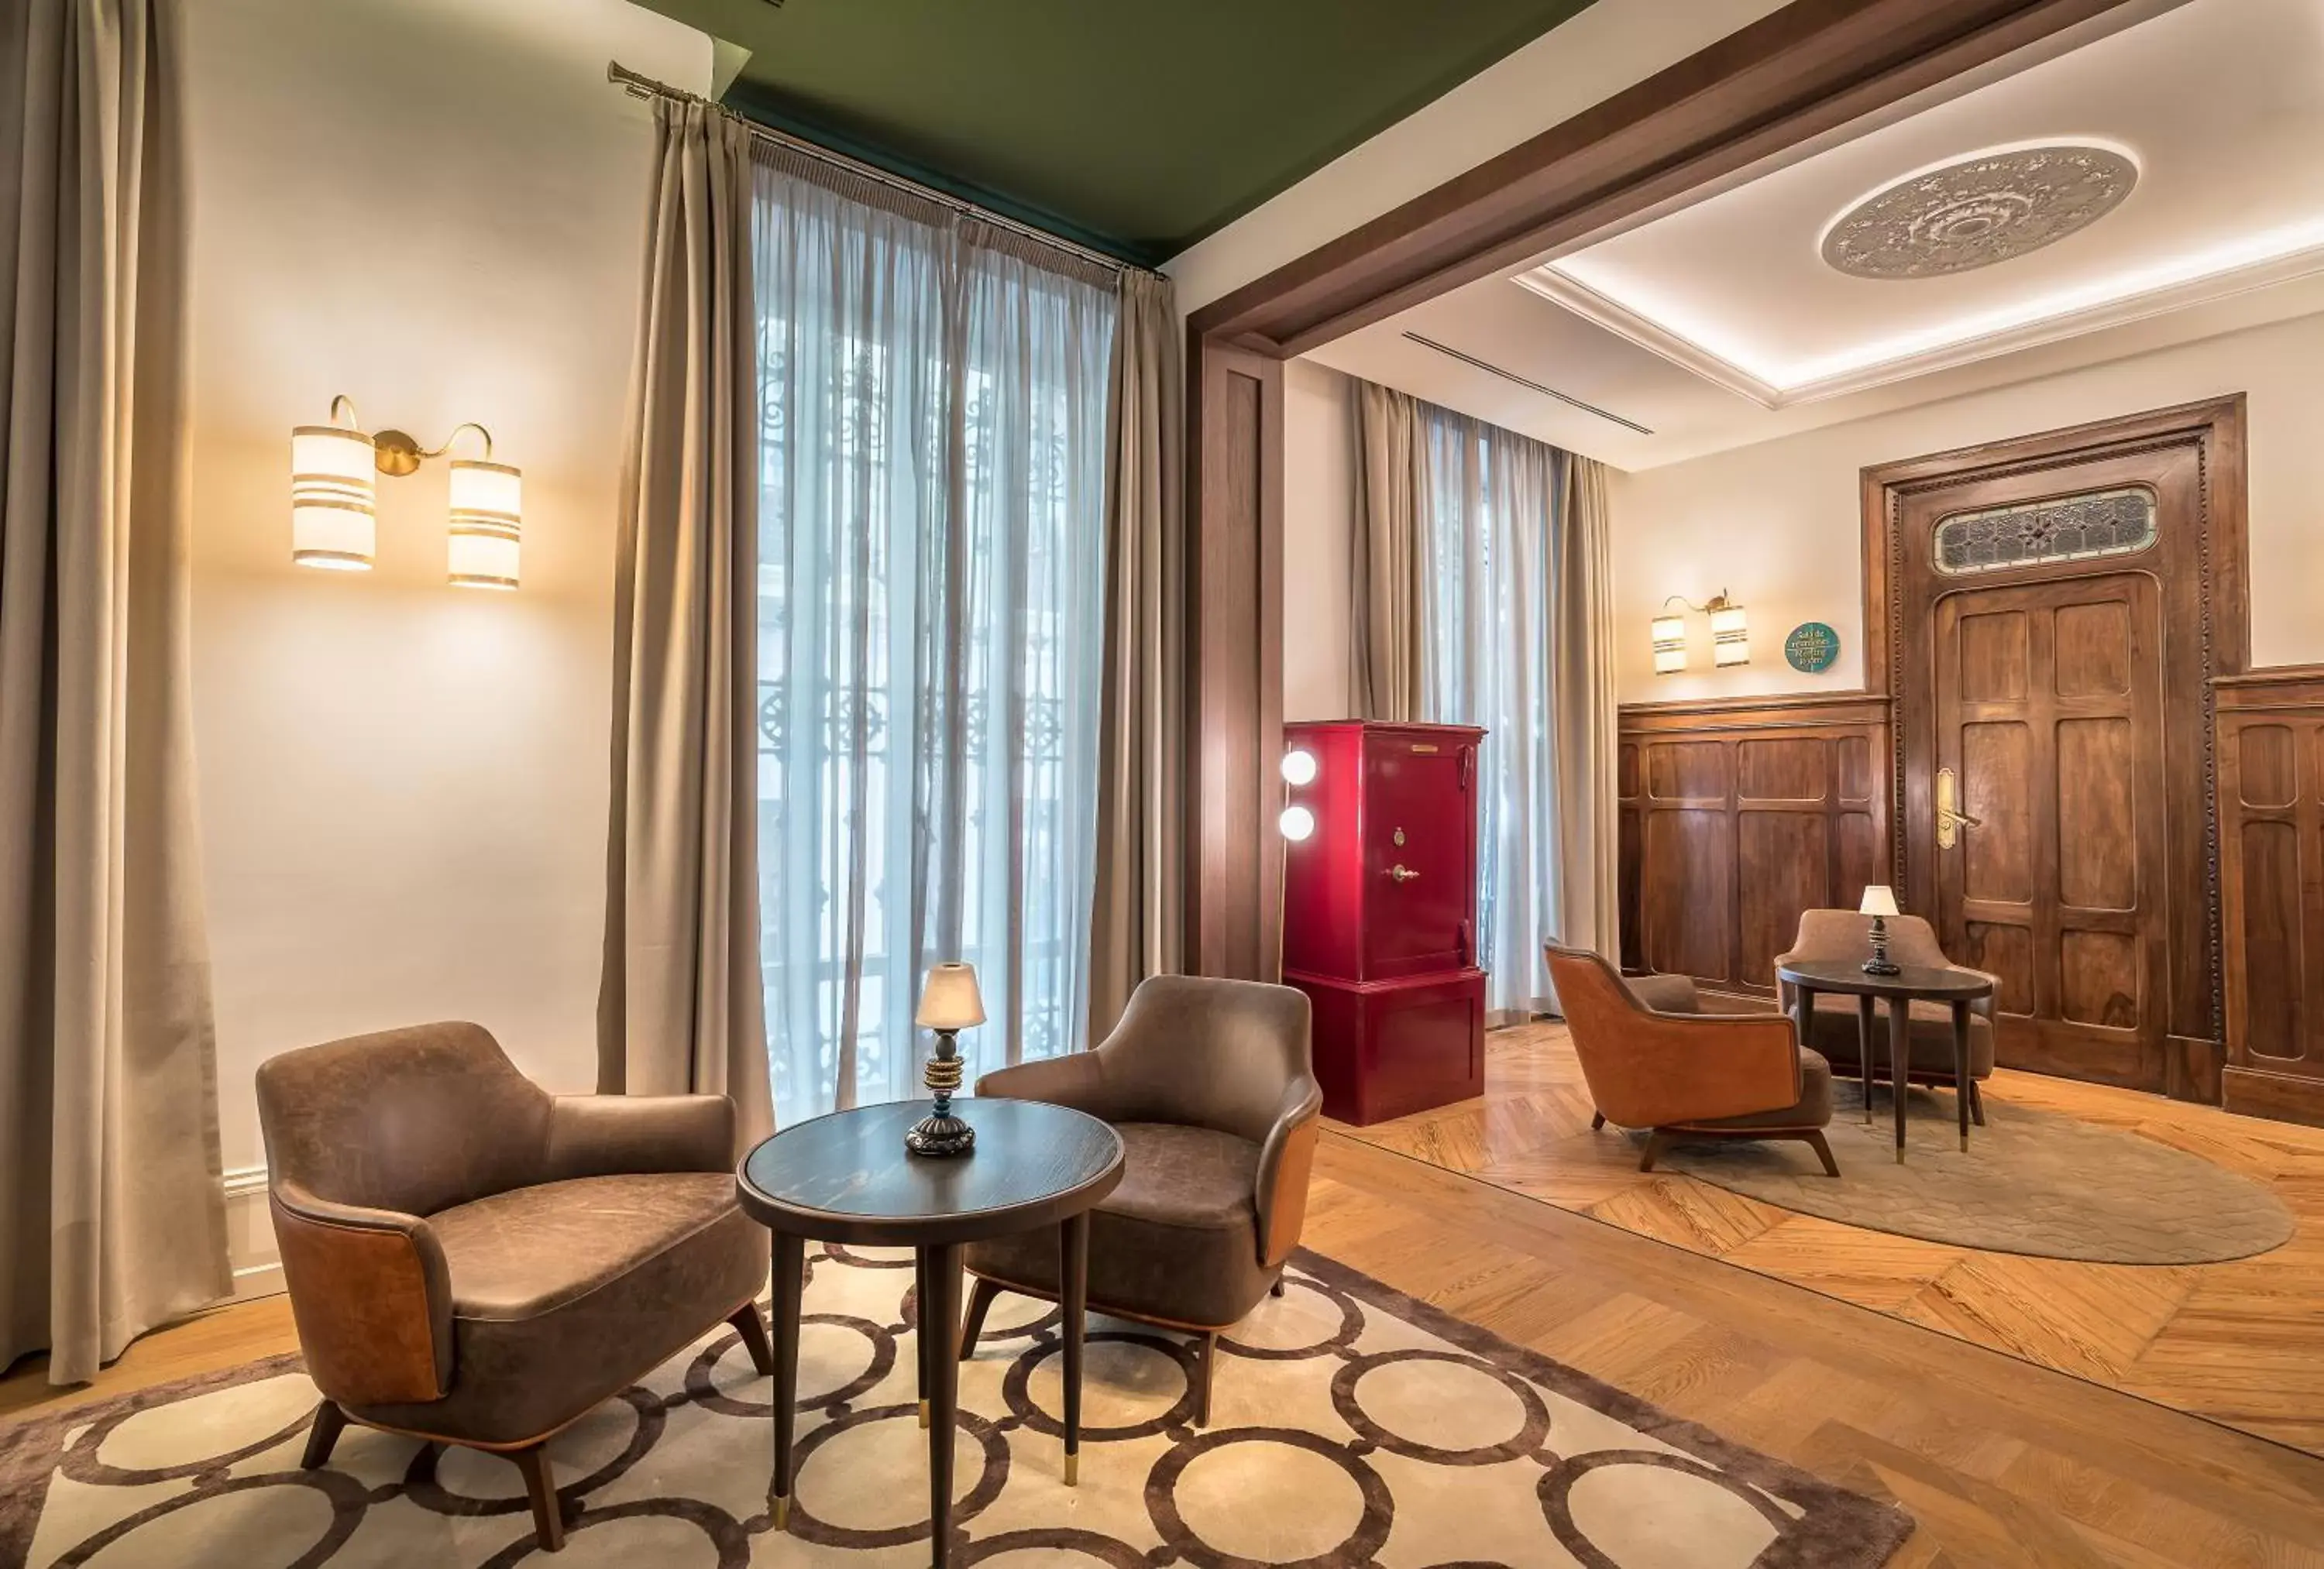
940,1132
1879,963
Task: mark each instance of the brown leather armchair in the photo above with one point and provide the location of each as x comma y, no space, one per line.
1210,1084
474,1261
1840,1028
1656,1062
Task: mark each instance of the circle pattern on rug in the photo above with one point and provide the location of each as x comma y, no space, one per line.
1339,1409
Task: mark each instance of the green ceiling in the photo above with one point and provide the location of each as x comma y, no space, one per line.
1135,128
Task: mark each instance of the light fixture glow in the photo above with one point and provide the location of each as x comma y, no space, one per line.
1296,823
487,505
334,498
1730,634
1670,644
1298,767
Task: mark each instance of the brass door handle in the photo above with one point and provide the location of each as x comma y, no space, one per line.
1402,872
1949,818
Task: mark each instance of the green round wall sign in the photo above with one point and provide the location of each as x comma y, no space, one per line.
1813,647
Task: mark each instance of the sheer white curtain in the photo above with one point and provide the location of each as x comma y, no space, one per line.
930,628
1517,642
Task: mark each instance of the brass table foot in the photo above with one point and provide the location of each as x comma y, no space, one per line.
1073,1470
924,1413
782,1514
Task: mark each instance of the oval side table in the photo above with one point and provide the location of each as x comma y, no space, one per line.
847,1179
1957,988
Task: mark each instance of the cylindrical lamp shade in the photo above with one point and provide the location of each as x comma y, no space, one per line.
949,999
333,492
1731,636
1879,899
488,519
1670,645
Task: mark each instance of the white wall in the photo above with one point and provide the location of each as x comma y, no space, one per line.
1778,523
437,207
1319,500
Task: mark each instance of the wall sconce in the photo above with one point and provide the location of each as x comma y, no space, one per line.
1730,635
333,499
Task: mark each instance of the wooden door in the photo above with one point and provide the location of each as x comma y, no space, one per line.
2048,700
2052,612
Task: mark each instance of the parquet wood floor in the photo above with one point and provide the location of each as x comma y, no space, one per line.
2000,1463
2239,1343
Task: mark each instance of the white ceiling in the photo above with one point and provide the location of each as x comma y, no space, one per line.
1719,324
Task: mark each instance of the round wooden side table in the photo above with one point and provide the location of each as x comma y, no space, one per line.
847,1179
1909,985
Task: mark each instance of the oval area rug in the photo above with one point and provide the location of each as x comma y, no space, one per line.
2031,1182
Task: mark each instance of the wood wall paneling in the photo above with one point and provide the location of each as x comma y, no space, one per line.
1235,690
1738,816
2271,794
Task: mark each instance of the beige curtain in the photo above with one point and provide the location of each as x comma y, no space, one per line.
112,1219
680,1005
1134,918
1582,707
1390,624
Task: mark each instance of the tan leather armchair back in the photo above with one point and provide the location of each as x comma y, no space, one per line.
415,1120
1647,1069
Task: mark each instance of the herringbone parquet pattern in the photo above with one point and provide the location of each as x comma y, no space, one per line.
2240,1343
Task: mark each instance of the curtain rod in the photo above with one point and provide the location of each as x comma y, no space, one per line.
639,86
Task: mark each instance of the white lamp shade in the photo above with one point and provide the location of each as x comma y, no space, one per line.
949,999
1879,899
1299,766
1296,823
488,519
334,493
1670,644
1731,636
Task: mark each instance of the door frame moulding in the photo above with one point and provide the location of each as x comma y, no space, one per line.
1801,72
2217,429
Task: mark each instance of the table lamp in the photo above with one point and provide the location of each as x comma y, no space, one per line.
949,1004
1879,902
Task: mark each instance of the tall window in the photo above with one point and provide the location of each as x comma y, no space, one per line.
1489,506
930,623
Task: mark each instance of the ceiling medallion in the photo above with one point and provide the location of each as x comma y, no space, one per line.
1989,208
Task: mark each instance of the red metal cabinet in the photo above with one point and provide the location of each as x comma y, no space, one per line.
1380,915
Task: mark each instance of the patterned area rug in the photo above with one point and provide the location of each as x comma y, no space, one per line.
1352,1426
2030,1182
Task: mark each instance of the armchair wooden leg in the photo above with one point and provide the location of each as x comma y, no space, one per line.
1656,1142
547,1514
1210,1361
1976,1103
754,1330
1597,1120
322,1435
980,1303
1276,1289
1816,1142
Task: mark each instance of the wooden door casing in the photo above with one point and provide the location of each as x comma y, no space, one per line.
2048,702
2191,460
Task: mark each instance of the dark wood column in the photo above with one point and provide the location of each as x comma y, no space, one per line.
1234,627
